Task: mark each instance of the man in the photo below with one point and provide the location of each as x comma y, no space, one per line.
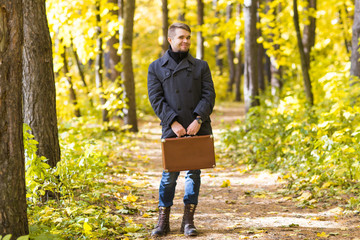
181,92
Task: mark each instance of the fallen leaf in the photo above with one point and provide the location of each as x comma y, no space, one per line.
226,183
305,196
323,235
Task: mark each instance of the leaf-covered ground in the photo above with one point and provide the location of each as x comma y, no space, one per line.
234,202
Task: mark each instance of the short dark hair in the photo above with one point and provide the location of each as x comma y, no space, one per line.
174,26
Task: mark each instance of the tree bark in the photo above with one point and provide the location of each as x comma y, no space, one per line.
39,96
260,58
309,33
355,55
13,216
304,64
165,25
239,65
99,65
72,94
230,53
251,89
199,36
128,74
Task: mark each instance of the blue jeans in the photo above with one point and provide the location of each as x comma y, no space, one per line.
168,184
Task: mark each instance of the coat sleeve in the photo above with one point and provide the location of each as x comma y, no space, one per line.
206,104
157,98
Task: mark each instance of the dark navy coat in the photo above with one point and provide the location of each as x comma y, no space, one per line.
181,91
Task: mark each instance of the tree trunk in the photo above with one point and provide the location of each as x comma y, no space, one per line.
309,33
260,59
165,25
127,74
276,81
251,89
72,94
121,28
355,55
268,68
13,216
304,64
81,73
181,16
112,57
99,65
218,59
199,36
39,96
230,53
239,65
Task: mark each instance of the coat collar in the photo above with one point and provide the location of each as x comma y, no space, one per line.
168,62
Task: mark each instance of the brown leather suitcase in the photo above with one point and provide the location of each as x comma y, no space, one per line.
188,153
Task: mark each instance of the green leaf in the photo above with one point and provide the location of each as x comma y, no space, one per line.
26,237
7,237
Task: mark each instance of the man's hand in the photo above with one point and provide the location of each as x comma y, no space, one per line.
178,129
193,128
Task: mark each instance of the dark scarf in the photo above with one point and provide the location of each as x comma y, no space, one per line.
177,56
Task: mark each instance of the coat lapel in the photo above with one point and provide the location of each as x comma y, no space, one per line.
185,63
168,62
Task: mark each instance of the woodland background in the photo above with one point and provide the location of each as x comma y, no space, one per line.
74,72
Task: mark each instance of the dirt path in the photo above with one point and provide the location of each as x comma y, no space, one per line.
251,207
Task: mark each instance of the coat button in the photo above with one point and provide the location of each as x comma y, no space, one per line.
177,90
167,74
179,109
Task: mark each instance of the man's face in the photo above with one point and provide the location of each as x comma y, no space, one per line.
181,41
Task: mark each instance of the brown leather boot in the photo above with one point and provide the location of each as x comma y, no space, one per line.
187,225
163,226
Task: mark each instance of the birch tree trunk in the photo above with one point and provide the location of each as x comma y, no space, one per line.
238,55
355,55
230,53
99,64
199,36
251,89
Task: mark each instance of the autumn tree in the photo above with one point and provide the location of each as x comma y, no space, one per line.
304,64
13,215
355,55
238,56
309,30
38,81
66,73
230,52
251,90
130,117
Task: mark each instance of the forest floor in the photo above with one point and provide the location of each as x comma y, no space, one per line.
235,203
